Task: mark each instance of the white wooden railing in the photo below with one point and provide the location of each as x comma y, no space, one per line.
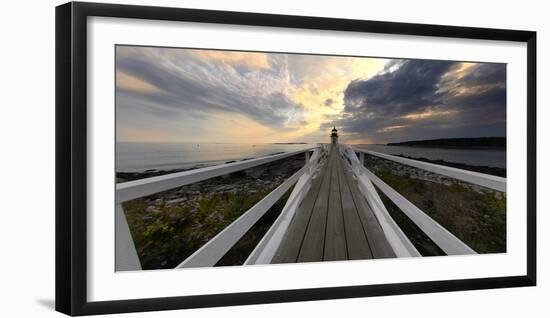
268,245
399,242
126,257
485,180
448,242
208,255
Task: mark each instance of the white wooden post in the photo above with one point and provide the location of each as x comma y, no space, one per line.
211,252
399,242
482,179
126,258
267,247
449,243
139,188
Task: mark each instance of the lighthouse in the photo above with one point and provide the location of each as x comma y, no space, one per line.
334,136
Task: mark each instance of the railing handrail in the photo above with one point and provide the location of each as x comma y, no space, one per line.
266,248
398,240
139,188
447,241
211,252
126,257
478,178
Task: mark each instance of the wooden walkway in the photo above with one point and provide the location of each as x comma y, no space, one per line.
333,222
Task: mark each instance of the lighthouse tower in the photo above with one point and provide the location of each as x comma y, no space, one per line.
334,136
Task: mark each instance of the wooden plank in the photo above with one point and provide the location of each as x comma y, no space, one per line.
335,235
401,245
314,240
292,241
378,243
356,239
447,241
211,252
265,250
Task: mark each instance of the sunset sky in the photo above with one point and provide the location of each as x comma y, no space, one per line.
185,95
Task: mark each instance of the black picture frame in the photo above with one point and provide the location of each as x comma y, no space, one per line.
71,157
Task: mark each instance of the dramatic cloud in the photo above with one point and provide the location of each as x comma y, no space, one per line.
176,82
170,94
422,99
191,95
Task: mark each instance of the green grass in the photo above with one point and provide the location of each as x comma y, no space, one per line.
166,235
242,249
424,245
478,219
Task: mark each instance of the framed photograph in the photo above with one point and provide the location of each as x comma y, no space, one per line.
210,158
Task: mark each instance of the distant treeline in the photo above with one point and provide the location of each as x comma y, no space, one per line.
483,142
290,143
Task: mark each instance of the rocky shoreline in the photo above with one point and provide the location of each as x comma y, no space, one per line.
378,165
495,171
475,214
124,176
169,226
250,181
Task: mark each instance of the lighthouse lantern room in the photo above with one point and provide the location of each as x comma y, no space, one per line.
334,136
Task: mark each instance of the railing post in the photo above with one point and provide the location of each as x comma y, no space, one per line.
265,250
399,242
126,258
482,179
362,158
211,252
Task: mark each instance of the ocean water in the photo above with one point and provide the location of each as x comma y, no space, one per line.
138,157
474,157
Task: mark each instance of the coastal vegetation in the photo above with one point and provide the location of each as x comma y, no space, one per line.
495,171
476,215
168,227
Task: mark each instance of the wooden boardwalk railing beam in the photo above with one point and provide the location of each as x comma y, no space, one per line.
209,254
482,179
448,242
399,242
139,188
333,222
333,213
